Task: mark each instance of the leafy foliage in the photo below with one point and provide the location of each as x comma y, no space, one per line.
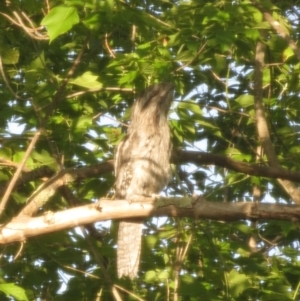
71,68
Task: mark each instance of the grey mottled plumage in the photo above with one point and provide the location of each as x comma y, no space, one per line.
142,166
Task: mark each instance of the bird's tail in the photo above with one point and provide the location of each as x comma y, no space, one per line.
129,247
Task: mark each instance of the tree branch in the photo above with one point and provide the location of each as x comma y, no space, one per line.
22,227
278,28
261,122
18,171
178,157
202,158
47,189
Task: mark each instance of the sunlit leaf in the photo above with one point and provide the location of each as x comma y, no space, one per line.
245,100
10,289
238,283
87,80
59,20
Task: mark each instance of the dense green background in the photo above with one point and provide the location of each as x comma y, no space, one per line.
68,65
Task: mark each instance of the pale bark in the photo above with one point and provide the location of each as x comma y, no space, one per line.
19,229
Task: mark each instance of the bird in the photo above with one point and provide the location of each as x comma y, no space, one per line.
142,167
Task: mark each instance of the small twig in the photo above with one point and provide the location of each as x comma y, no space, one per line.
18,171
180,255
192,60
186,247
285,87
20,250
48,6
71,72
10,19
21,24
273,243
99,260
4,162
27,29
278,28
133,34
72,268
273,64
227,112
100,89
217,78
35,30
128,292
296,291
6,81
29,21
177,264
168,290
108,48
113,119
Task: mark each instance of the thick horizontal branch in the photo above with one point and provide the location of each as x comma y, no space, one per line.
201,158
22,227
45,191
178,157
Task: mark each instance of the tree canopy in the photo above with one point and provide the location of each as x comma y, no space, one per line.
69,73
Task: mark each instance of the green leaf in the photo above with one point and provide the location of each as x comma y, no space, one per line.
9,55
150,276
144,46
245,100
295,149
151,240
19,198
128,78
194,108
59,20
82,123
10,289
191,286
87,80
288,53
238,283
5,152
42,157
220,63
236,154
